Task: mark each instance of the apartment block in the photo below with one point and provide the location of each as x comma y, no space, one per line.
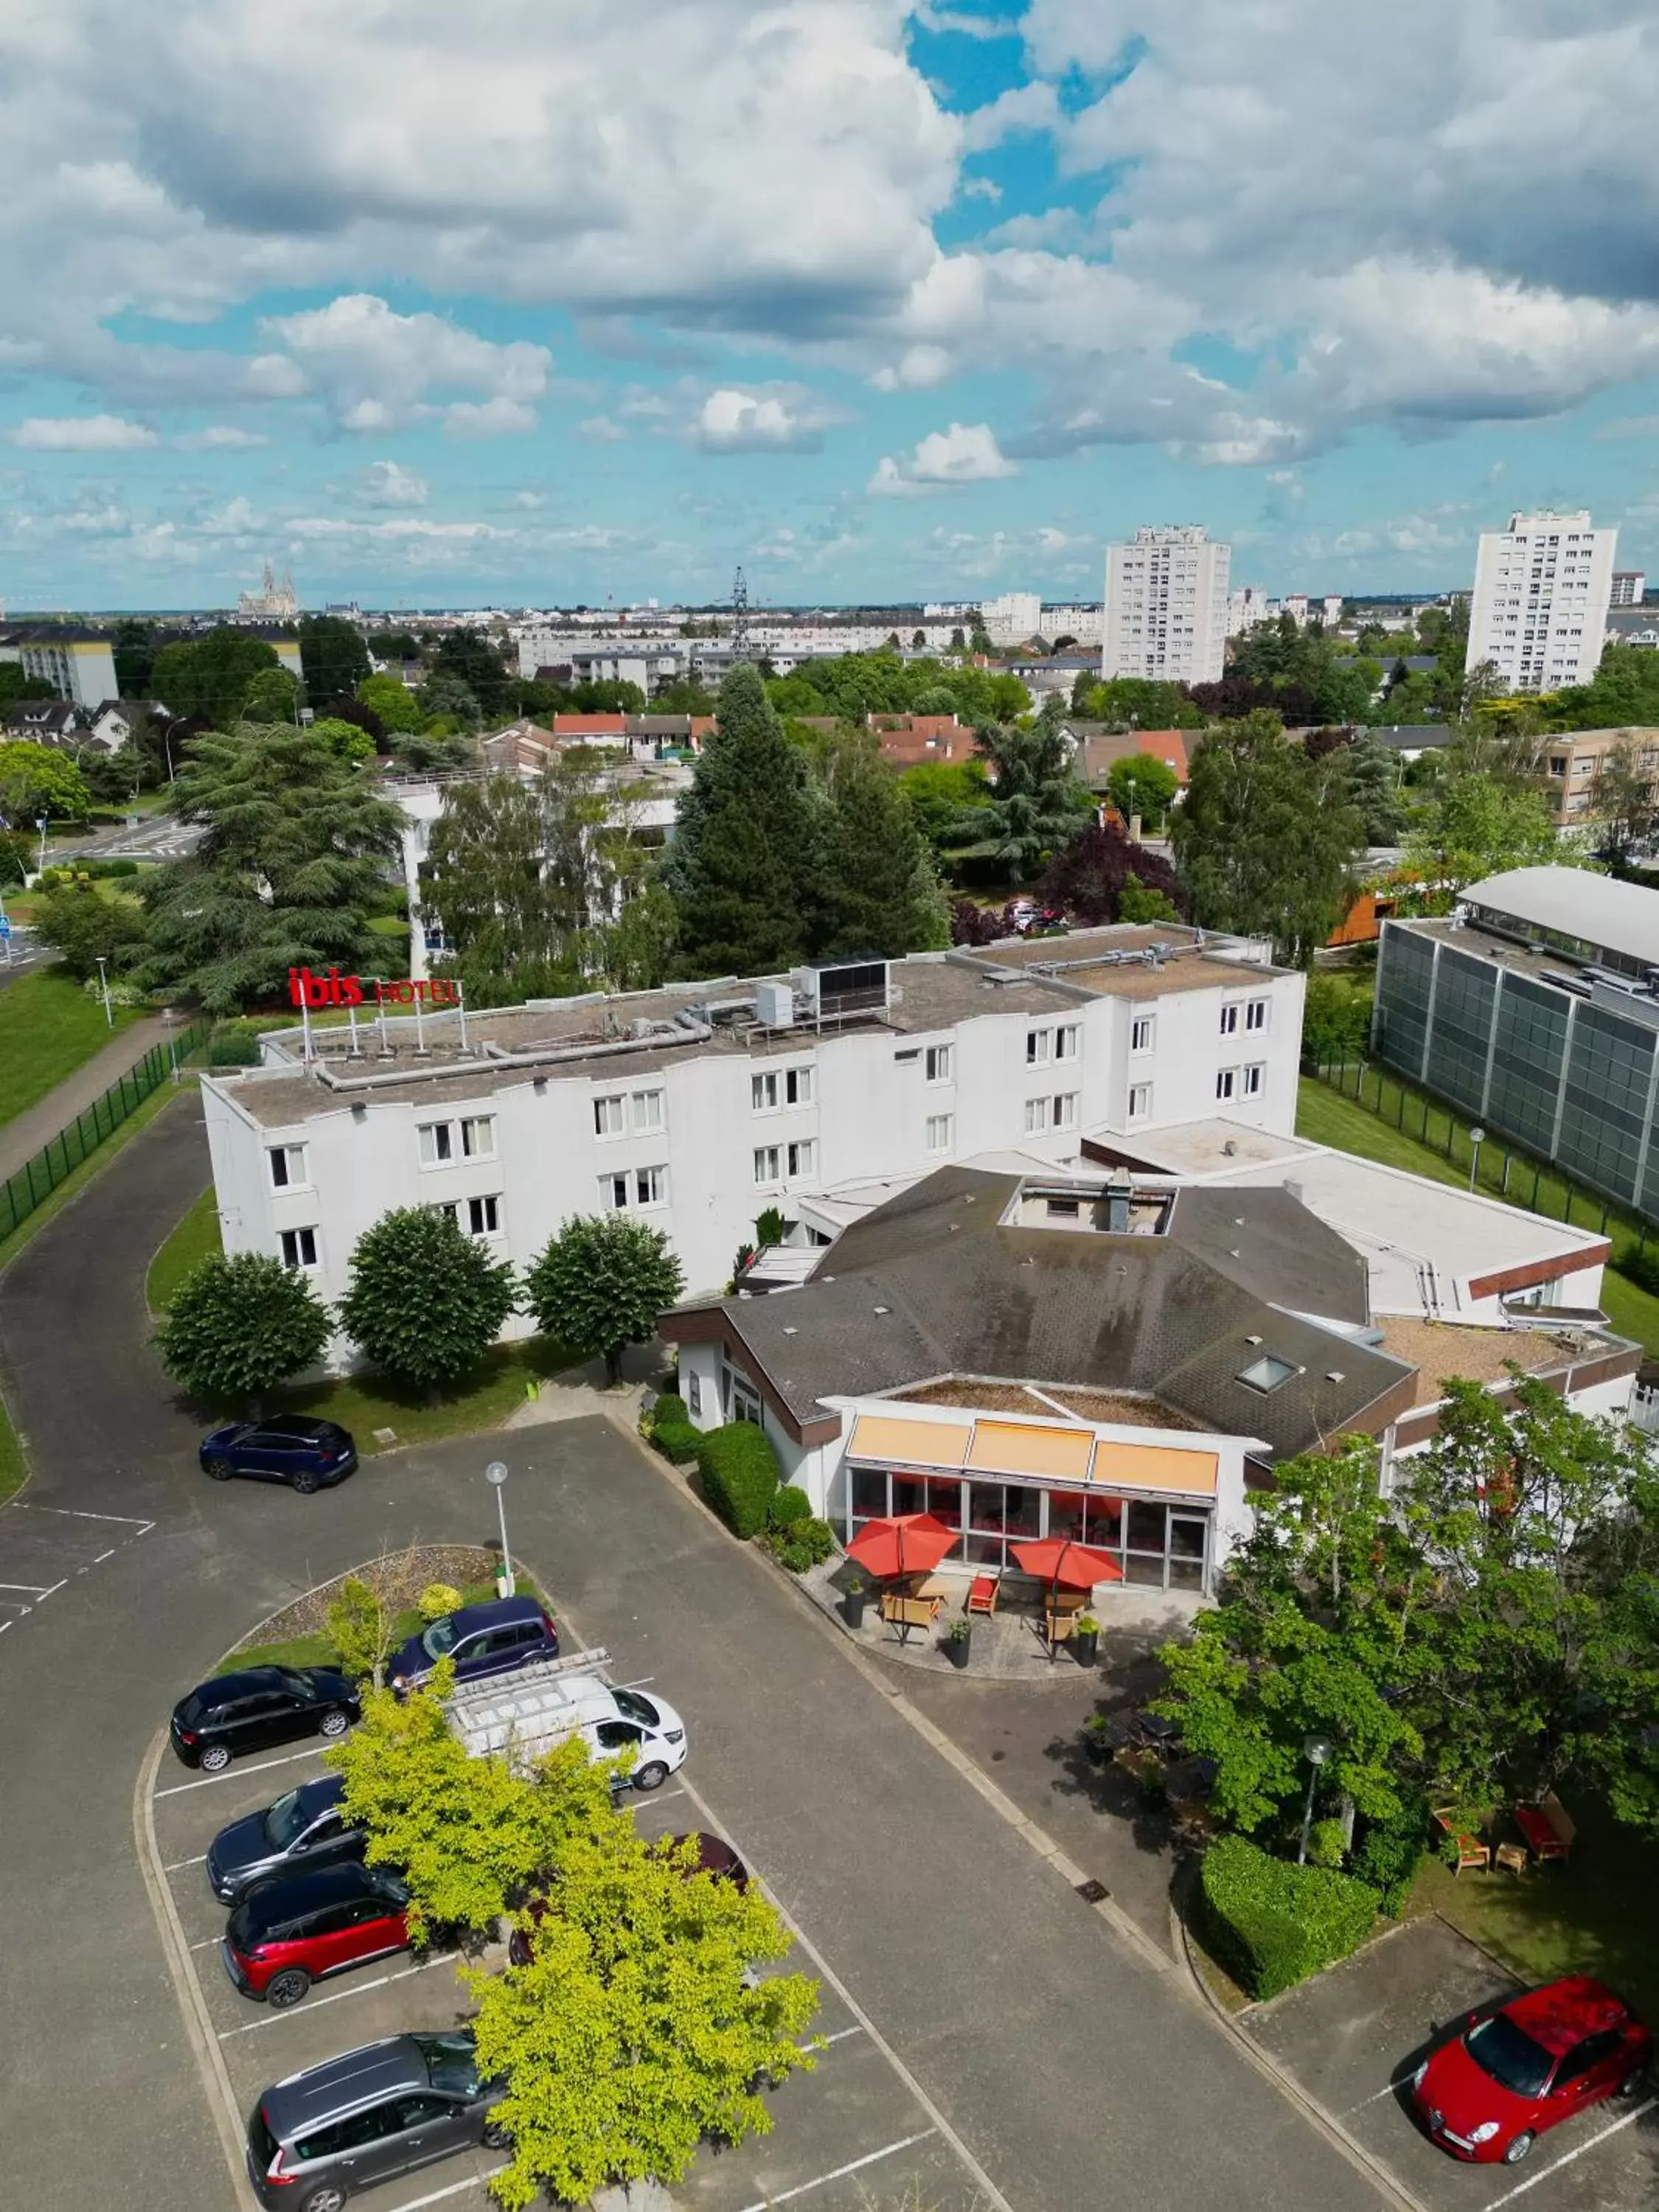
1167,606
1538,610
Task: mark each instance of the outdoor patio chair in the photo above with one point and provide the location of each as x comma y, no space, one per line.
1548,1828
981,1595
1471,1852
1062,1614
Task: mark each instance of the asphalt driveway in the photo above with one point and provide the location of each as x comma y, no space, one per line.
1051,2059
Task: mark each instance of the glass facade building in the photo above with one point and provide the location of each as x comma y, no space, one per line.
1556,1068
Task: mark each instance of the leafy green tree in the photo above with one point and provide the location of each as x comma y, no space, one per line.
1142,785
1101,875
468,658
395,704
1141,901
1624,693
881,892
1135,702
16,686
1336,1020
1371,776
1034,805
241,1325
37,780
745,866
135,655
941,793
209,676
82,927
684,695
1477,825
332,657
272,696
393,645
1266,838
290,865
345,740
425,1301
639,2030
637,950
16,856
468,1835
1624,798
601,1283
362,1627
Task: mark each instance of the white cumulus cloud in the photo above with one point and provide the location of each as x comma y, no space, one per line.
83,433
380,369
966,454
734,421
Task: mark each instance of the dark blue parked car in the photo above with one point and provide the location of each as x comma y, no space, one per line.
493,1638
290,1448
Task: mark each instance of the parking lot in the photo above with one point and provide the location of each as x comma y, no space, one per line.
43,1548
849,2137
1354,2036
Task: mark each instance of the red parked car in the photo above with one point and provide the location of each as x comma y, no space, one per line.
287,1934
1507,2075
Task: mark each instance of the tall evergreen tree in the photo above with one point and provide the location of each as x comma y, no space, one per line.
1035,803
881,889
745,864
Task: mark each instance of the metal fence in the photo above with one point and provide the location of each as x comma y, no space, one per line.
37,1179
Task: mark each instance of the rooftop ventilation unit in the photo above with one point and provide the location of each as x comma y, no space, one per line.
833,988
774,1005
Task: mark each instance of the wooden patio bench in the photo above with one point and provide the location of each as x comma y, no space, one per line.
1548,1828
910,1612
1471,1852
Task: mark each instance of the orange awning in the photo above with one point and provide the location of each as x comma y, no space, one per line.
1014,1448
884,1442
1156,1467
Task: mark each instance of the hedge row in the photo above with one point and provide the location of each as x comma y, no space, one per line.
740,1475
1272,1925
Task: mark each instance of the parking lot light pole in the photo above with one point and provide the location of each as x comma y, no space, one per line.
495,1475
1315,1749
1477,1138
103,986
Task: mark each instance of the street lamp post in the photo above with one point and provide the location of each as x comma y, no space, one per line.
169,1019
495,1475
1477,1138
41,825
1315,1749
103,986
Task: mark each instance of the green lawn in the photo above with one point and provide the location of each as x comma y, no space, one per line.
1593,1916
1326,1118
364,1403
316,1650
49,1026
194,1239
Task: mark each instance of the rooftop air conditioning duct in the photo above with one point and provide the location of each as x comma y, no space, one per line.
774,1005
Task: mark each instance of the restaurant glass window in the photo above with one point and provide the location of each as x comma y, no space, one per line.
1065,1515
1104,1528
1189,1532
983,1544
909,1493
944,1499
869,1495
1146,1534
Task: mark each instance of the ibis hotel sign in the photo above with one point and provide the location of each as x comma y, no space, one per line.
312,992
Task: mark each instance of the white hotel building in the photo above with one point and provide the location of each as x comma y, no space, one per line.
698,1107
1540,609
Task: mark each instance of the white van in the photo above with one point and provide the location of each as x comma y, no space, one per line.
527,1714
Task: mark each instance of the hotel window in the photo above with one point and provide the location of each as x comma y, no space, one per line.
1065,1110
1255,1080
1226,1082
938,1136
1255,1014
288,1166
437,1143
937,1064
1069,1042
1036,1116
797,1159
1229,1018
634,1188
798,1086
479,1138
483,1216
1142,1030
1039,1044
1141,1101
743,1401
694,1394
764,1093
768,1164
299,1248
610,1116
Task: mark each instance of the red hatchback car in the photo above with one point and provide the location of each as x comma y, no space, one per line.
1507,2075
287,1934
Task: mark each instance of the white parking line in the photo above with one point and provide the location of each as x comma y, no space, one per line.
1389,2089
41,1589
1556,2164
208,1943
841,2034
454,2189
228,1773
69,1513
854,2165
339,1996
102,1557
178,1865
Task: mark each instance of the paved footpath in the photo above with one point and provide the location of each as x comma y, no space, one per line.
1074,2071
27,1133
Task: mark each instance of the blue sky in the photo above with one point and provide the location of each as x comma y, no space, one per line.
547,299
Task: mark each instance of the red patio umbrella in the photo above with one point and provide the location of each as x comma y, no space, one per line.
1063,1563
903,1544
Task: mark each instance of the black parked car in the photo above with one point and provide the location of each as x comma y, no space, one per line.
304,1828
261,1705
370,2115
290,1448
494,1638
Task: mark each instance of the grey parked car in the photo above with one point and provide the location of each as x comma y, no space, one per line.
369,2116
304,1828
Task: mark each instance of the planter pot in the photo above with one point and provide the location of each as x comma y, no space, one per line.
1086,1645
956,1648
852,1607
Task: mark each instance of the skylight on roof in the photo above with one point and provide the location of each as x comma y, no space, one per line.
1267,1373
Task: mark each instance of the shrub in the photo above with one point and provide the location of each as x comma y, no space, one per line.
232,1048
803,1544
669,1411
740,1474
436,1600
1272,1925
791,1504
1640,1267
676,1441
1389,1852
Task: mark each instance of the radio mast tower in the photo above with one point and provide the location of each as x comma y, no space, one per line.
740,649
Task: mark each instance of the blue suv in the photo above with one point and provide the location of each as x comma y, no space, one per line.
496,1637
307,1455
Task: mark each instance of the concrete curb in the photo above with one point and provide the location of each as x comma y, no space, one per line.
198,2029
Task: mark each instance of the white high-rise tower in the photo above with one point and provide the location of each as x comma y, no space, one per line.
1540,609
1166,606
